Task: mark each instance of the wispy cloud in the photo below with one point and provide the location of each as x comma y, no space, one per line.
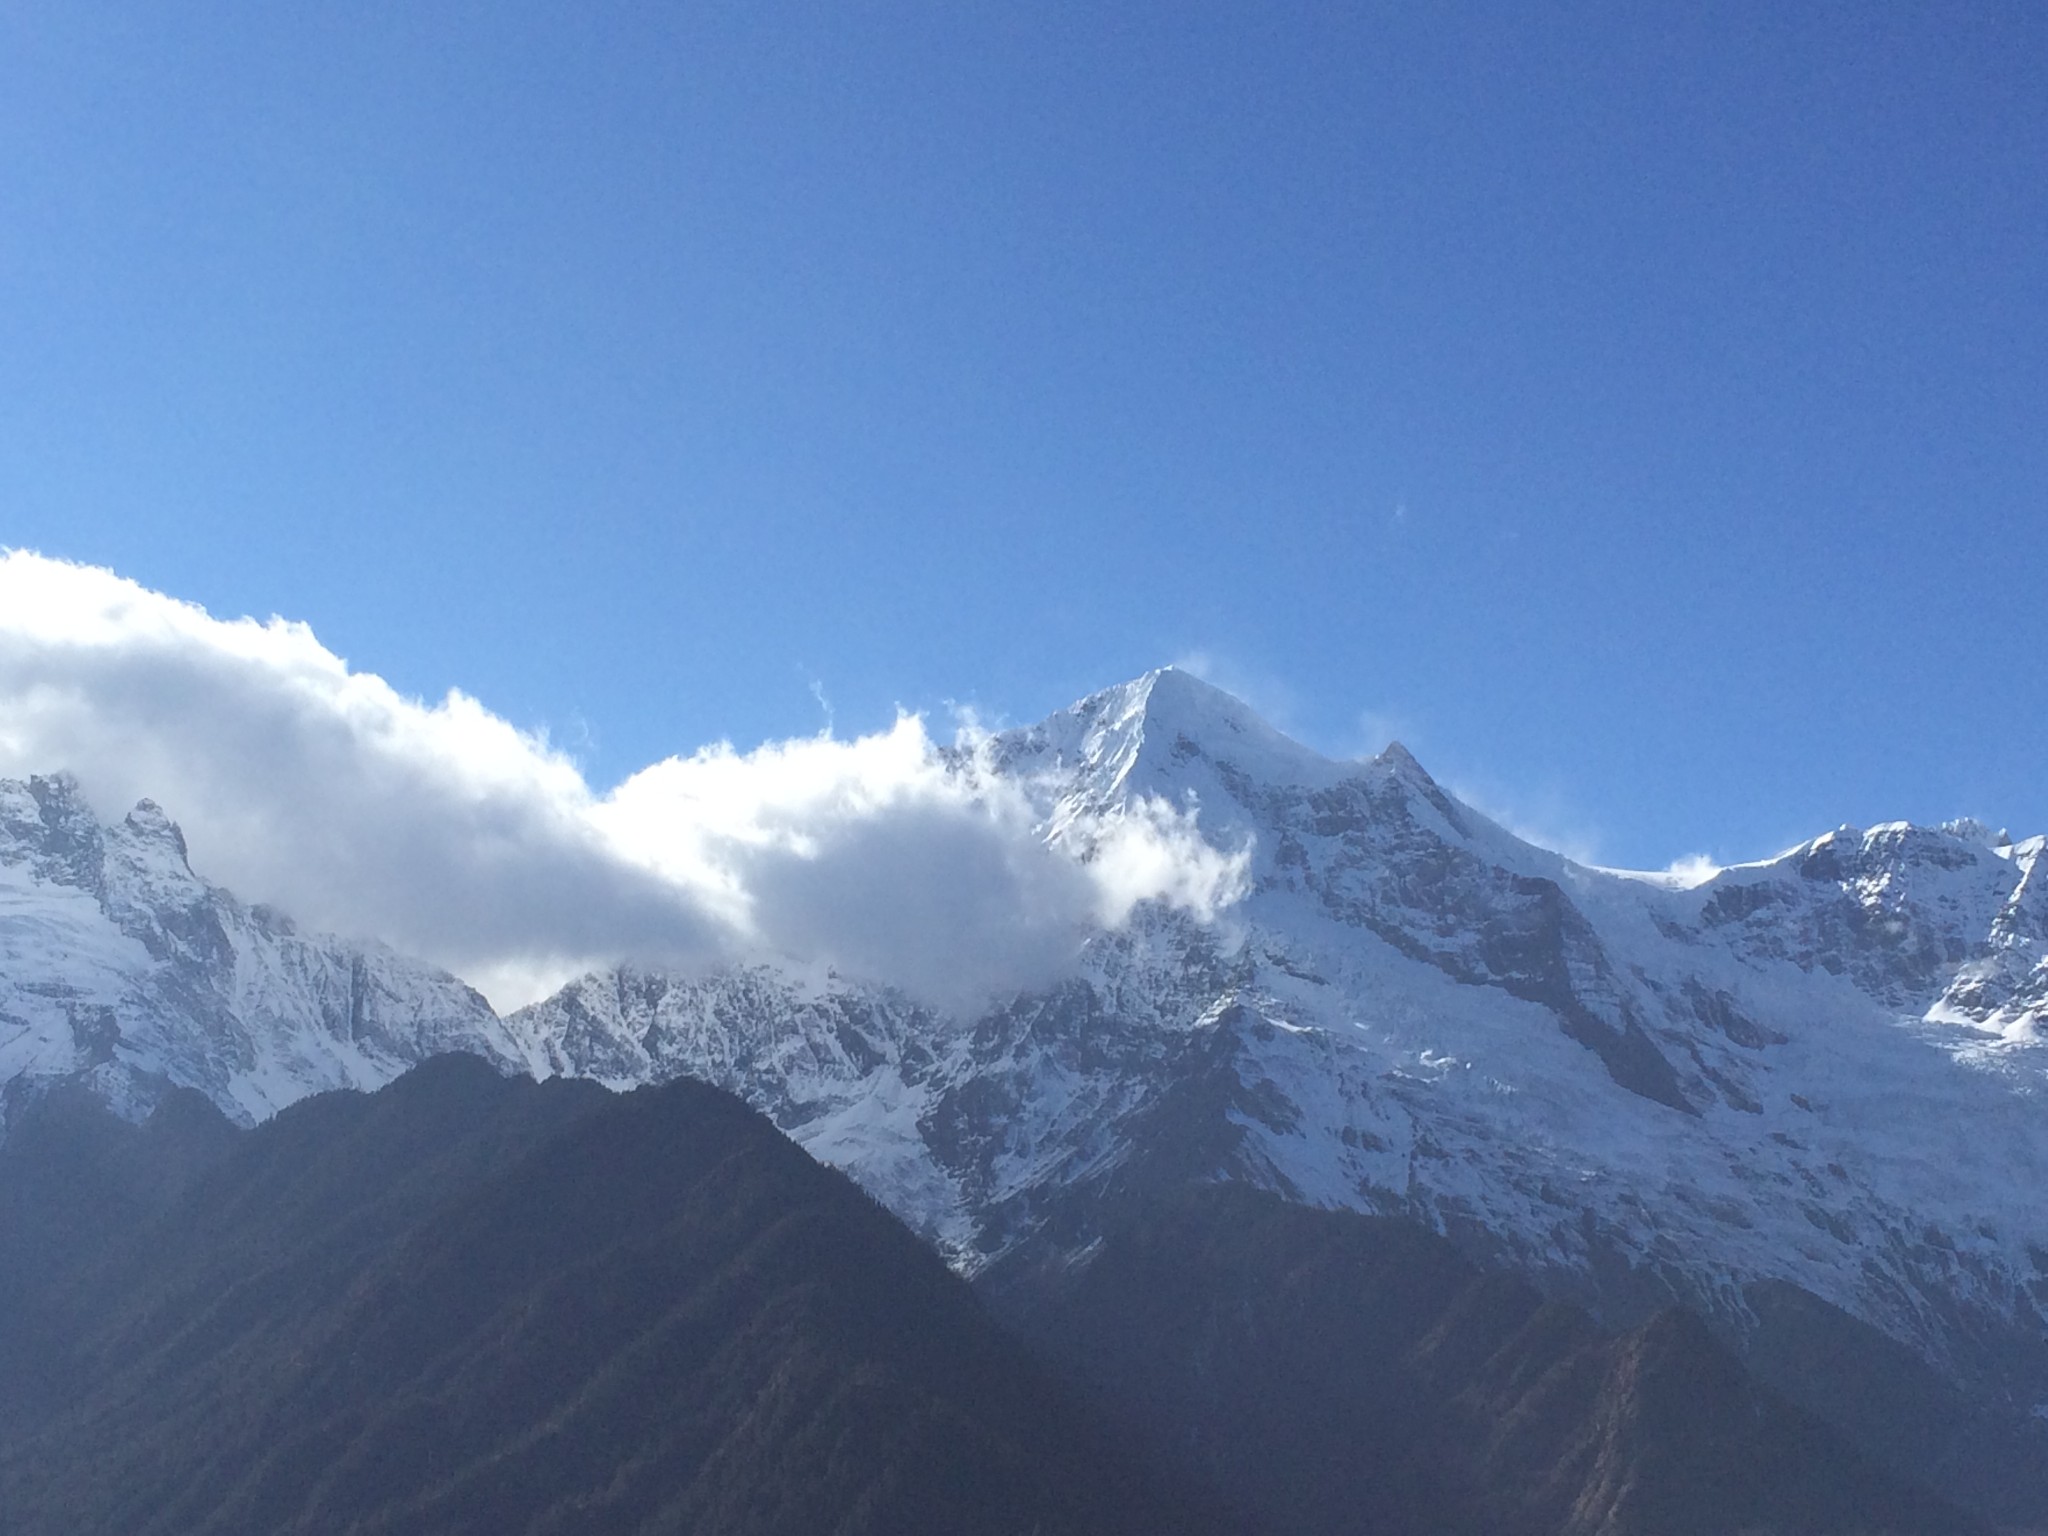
1377,730
1543,819
1279,705
1693,869
1274,700
447,831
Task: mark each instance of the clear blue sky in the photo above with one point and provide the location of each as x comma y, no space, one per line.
1641,409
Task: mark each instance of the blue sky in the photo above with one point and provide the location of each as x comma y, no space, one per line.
1642,410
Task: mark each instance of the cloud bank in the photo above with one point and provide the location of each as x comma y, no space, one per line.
452,835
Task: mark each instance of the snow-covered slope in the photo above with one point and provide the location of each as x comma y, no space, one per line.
121,968
1826,1068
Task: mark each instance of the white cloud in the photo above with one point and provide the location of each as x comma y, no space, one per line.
887,856
1154,851
448,832
1681,874
1691,870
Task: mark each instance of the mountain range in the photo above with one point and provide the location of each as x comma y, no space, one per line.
1799,1100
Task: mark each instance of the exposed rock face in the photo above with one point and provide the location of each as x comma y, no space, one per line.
123,970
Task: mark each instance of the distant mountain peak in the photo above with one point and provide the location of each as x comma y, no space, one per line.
1395,755
1147,736
124,971
152,824
1172,687
1168,702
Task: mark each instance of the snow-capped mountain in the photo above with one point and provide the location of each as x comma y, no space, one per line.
122,969
1826,1068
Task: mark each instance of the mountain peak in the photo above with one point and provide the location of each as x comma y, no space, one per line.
1157,722
1173,735
1165,695
55,800
1176,701
152,824
47,823
1396,756
1170,686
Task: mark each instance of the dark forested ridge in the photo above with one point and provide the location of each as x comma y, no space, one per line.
472,1305
1338,1373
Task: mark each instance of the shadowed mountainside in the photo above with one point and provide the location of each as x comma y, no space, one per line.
1339,1373
472,1305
